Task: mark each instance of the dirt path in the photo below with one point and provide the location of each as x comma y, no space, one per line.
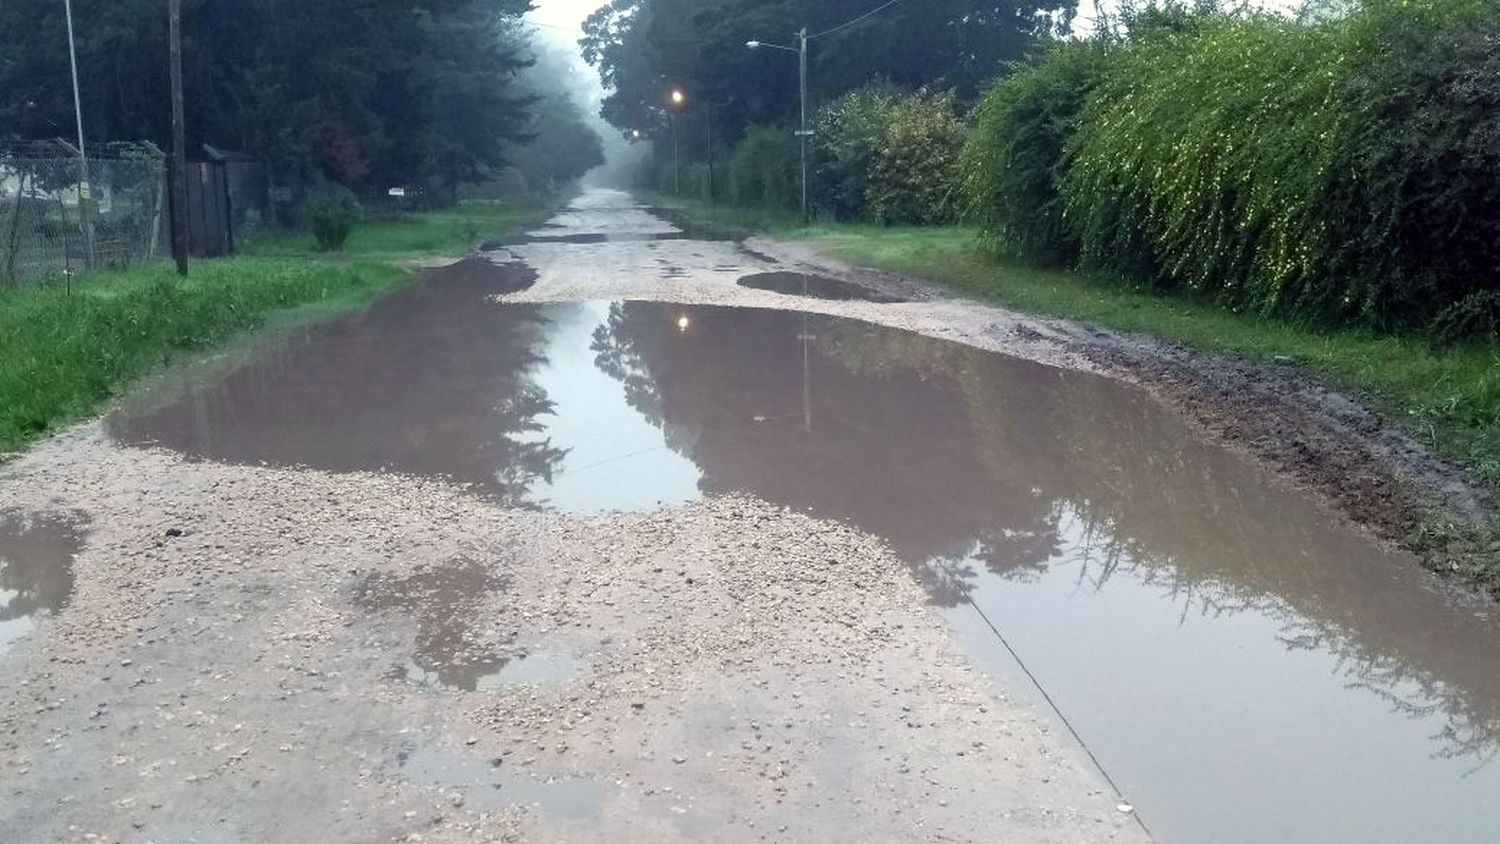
251,653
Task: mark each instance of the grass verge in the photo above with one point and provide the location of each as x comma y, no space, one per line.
411,235
67,348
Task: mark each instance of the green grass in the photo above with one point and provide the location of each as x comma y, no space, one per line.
410,235
67,348
1449,399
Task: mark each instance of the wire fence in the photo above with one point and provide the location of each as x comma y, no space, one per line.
52,222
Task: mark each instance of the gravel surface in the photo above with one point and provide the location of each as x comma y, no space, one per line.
237,665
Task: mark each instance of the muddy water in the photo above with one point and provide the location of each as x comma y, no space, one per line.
36,570
1245,669
815,287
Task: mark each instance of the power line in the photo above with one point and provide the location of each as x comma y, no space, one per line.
867,15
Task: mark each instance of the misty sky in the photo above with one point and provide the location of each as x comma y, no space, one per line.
567,14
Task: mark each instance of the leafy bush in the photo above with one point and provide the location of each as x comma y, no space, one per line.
331,214
1341,169
850,132
1428,240
1013,161
915,174
765,169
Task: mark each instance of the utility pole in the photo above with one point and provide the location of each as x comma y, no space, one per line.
804,133
802,65
676,101
710,105
178,169
85,194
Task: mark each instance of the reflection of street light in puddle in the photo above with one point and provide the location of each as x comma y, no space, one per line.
683,322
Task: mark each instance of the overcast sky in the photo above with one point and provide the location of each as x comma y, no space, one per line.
566,14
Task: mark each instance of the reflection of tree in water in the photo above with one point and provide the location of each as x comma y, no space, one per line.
885,454
36,564
1409,681
432,381
970,463
445,601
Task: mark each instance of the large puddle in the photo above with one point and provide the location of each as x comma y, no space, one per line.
1245,669
36,570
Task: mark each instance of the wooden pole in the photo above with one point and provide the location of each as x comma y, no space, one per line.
178,168
85,192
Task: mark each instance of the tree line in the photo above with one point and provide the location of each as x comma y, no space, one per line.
364,93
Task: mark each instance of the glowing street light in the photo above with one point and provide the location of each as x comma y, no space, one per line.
676,99
683,323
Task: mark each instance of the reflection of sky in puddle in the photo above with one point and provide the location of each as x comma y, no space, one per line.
36,571
615,459
492,788
494,674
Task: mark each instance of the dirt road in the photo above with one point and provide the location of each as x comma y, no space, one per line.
238,652
616,533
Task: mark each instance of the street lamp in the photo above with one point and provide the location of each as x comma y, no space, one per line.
801,51
676,99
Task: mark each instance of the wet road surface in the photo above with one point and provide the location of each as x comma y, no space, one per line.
1242,666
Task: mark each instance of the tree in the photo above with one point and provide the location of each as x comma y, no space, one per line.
357,91
644,47
560,147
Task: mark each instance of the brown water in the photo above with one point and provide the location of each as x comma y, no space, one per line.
815,287
1243,667
36,570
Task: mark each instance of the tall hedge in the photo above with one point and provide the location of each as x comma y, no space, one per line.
765,169
1013,163
914,177
1342,167
850,132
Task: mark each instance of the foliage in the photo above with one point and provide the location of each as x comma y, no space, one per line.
378,92
1013,162
1428,232
1337,167
914,176
765,169
331,215
442,232
559,147
644,47
851,132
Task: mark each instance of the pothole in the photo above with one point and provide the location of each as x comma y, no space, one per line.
816,287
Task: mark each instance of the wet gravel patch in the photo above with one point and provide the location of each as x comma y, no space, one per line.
228,653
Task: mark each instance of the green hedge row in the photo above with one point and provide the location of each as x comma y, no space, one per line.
1345,168
877,154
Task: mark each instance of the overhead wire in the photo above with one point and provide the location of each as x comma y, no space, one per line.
866,16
